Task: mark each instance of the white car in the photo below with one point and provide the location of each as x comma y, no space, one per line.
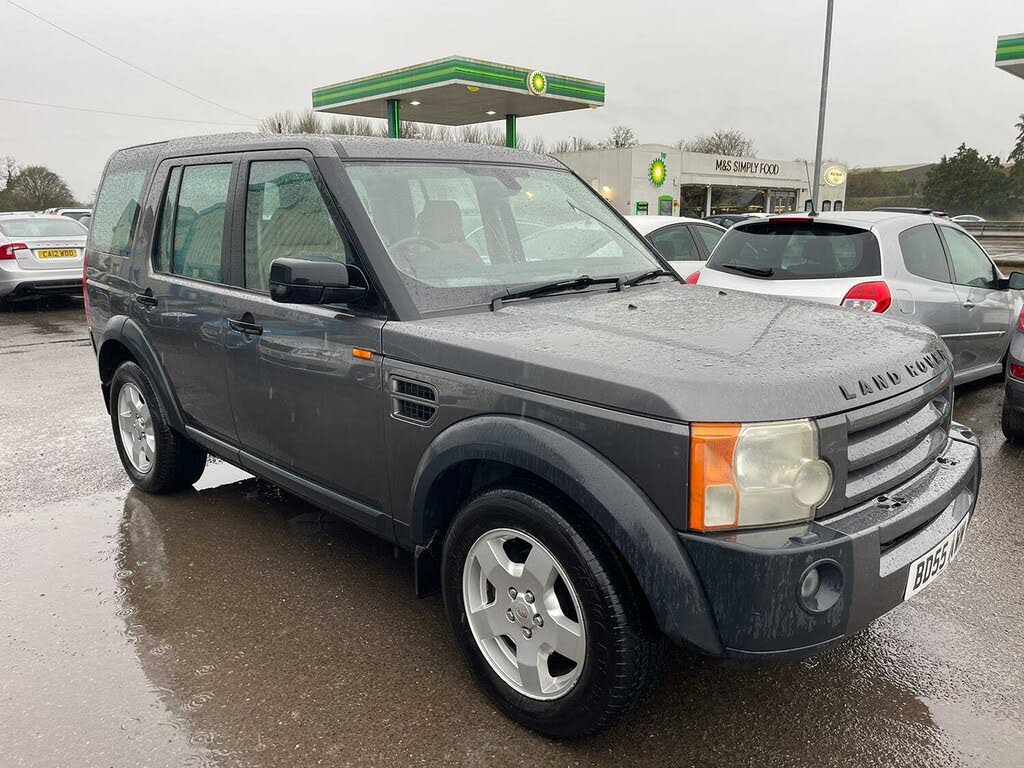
685,243
968,218
72,213
40,253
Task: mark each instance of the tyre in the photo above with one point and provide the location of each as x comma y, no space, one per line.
156,458
546,614
1013,424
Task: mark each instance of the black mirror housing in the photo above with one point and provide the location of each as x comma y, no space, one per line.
315,281
1016,281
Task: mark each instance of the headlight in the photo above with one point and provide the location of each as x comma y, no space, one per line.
744,475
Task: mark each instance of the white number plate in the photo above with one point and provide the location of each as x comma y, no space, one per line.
926,568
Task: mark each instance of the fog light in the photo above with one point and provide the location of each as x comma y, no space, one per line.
820,586
809,584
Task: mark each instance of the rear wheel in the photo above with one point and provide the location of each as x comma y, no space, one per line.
546,614
156,458
1013,424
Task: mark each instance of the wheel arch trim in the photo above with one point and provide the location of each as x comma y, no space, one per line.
649,546
127,332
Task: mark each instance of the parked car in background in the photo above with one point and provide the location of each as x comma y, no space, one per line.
1013,399
684,243
968,218
919,211
71,213
40,253
729,219
910,266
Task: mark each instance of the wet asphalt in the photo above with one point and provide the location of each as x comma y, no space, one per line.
234,625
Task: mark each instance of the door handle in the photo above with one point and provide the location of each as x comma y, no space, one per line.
246,328
968,304
147,300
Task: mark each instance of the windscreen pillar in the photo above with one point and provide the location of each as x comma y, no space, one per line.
393,118
510,131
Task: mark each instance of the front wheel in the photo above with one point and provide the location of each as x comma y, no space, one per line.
546,614
156,458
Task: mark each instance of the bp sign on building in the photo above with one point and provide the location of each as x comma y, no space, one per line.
656,179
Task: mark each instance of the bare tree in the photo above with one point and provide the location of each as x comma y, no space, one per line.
352,126
560,146
622,136
37,187
308,121
8,169
279,122
721,142
536,144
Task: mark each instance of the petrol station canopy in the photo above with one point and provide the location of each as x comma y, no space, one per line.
458,91
1010,54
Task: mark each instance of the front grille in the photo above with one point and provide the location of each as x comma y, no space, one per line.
876,448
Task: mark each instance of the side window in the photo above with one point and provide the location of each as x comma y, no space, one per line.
285,215
117,212
971,265
191,235
826,206
838,206
922,253
710,235
675,244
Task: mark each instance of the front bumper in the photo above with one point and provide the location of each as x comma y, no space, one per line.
751,578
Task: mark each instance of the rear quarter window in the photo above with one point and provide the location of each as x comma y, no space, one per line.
923,254
798,250
118,206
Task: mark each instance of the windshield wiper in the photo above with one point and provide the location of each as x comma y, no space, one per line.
625,282
747,270
573,284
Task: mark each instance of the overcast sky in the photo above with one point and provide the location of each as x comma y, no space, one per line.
910,79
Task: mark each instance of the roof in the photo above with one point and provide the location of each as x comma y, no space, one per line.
356,147
647,224
458,90
864,219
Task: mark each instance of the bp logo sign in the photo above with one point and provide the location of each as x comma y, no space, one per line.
657,172
834,176
537,83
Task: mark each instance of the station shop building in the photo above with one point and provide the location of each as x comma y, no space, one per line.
656,179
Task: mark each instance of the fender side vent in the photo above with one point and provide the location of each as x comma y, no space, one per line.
413,401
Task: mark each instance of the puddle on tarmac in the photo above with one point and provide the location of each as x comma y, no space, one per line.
235,625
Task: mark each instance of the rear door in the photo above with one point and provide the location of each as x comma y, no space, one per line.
678,246
183,291
305,380
923,289
985,307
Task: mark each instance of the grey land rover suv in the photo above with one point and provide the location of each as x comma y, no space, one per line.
465,350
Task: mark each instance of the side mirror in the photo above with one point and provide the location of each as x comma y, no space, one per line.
1016,281
315,281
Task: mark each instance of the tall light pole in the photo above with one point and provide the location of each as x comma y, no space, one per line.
816,182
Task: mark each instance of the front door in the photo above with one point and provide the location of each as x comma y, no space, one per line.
305,381
985,307
182,302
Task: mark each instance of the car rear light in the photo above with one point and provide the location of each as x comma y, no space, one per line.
692,279
1017,371
7,251
85,283
871,297
1020,320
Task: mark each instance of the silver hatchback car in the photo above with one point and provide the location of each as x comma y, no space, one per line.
40,253
919,268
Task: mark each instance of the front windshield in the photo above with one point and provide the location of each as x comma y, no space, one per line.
459,234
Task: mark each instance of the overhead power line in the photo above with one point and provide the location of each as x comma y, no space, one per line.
119,114
127,63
